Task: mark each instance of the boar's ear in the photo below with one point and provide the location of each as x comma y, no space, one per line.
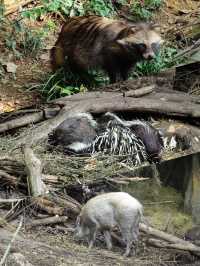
78,220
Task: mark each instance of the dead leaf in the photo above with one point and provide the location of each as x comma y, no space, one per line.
8,109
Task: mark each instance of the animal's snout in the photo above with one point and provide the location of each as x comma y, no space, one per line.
149,55
77,235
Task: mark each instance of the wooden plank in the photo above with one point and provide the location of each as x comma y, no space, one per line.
14,5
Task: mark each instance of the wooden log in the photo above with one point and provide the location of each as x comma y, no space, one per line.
34,173
160,234
71,206
181,246
50,112
155,105
45,221
173,241
172,104
21,121
140,92
49,206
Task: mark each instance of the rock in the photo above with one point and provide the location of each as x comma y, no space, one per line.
11,67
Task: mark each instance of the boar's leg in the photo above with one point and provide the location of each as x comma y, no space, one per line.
92,237
108,239
135,231
127,237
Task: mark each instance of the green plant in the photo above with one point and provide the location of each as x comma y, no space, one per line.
24,41
64,83
99,7
143,10
162,61
72,7
54,6
19,38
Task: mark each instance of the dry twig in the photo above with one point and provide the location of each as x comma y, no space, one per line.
11,242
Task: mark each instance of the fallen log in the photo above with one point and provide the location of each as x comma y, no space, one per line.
181,246
154,105
173,241
22,121
48,206
140,92
153,99
45,221
171,104
160,234
70,205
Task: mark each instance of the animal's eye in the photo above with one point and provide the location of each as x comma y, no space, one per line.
155,47
142,47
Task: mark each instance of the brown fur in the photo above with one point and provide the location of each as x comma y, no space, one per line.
115,46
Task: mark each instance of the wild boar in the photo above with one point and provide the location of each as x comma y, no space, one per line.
114,46
104,212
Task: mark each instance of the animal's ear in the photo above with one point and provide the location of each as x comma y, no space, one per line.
134,27
122,42
155,27
78,220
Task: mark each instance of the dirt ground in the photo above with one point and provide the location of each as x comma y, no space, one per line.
49,246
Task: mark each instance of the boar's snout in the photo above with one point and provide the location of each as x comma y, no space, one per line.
78,233
81,232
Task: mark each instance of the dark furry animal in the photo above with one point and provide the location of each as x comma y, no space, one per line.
150,136
114,46
75,134
81,134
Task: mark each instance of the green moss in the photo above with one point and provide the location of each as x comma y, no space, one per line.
163,206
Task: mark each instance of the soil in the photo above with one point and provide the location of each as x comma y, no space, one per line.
49,246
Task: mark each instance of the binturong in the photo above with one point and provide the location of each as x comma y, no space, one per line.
103,212
114,46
